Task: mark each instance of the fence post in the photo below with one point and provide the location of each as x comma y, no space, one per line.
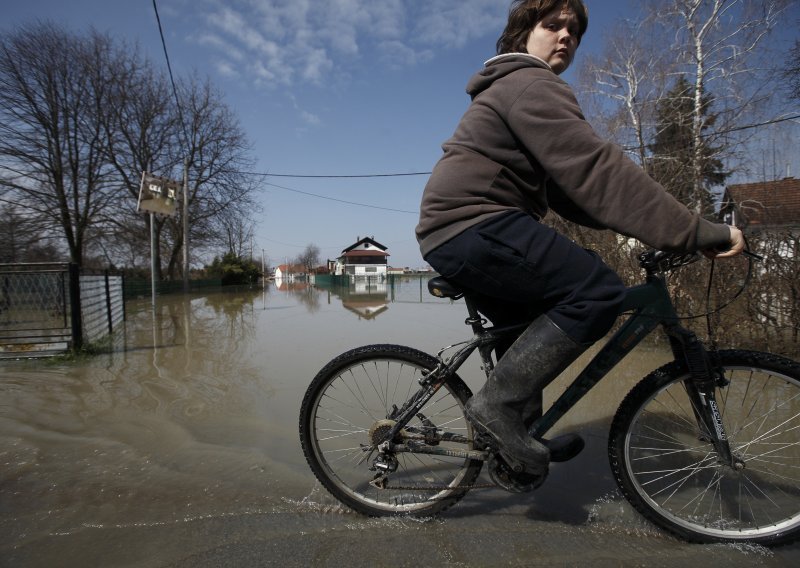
108,304
122,296
75,305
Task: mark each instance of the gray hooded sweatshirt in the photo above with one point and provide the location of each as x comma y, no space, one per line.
524,144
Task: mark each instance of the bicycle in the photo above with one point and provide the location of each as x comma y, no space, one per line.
706,447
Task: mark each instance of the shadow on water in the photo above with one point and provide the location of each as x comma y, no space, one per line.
181,449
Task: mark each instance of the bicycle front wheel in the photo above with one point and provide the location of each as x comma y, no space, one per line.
354,396
668,469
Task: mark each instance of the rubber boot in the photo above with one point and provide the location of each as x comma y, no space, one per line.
562,448
537,357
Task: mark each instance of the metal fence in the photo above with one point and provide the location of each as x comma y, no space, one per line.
52,308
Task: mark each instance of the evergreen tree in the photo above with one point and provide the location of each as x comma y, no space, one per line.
791,73
673,149
233,269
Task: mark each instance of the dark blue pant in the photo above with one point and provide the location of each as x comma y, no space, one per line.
517,268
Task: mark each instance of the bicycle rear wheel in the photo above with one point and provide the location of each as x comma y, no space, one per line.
667,468
350,398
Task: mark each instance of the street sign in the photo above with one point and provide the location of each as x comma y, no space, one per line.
158,195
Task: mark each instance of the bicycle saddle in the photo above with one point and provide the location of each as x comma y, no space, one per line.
442,288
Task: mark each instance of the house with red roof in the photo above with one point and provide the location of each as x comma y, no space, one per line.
763,206
288,271
366,258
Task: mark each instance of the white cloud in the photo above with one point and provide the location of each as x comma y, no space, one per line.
452,23
317,37
216,42
290,42
309,118
225,69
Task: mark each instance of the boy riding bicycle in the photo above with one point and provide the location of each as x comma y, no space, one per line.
523,146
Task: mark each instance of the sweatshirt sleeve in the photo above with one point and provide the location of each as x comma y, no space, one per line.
597,178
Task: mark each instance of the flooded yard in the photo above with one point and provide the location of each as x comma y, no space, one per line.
180,448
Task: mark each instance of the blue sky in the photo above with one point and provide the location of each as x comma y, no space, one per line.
325,87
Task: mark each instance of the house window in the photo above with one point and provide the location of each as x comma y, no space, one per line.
370,269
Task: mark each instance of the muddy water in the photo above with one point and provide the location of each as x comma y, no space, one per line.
180,448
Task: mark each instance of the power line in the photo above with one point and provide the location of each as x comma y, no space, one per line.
171,77
729,130
427,173
341,200
266,174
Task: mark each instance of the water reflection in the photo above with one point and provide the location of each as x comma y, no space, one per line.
366,298
180,447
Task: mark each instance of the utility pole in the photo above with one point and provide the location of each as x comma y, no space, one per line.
263,270
153,263
186,225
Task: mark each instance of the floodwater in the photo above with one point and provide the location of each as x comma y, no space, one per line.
180,448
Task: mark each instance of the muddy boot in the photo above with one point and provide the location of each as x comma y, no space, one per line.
538,356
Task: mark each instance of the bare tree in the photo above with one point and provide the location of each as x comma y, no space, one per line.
234,232
22,239
153,132
142,132
632,72
218,153
52,149
309,258
718,47
81,117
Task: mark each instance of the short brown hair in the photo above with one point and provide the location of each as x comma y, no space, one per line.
525,14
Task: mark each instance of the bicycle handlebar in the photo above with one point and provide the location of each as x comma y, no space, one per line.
654,261
662,261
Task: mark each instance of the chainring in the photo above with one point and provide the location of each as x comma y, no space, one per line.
505,478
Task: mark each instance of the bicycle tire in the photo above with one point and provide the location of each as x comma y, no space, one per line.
355,391
668,470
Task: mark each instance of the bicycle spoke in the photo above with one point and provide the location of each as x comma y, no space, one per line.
357,402
679,475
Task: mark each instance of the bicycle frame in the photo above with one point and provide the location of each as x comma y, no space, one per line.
652,306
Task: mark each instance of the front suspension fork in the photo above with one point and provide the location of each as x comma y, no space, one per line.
705,376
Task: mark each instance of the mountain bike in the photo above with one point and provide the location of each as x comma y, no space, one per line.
706,447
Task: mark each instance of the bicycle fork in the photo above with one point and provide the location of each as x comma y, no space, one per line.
704,377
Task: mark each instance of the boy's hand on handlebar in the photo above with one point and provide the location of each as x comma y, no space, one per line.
736,245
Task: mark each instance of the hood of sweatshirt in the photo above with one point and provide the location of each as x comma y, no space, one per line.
500,66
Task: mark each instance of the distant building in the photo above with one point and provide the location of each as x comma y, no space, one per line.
763,206
366,258
288,271
770,212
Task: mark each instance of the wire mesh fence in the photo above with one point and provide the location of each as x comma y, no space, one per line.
51,308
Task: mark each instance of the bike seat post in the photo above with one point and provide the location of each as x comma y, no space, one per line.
475,321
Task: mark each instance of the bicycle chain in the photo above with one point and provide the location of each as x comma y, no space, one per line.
480,441
434,487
